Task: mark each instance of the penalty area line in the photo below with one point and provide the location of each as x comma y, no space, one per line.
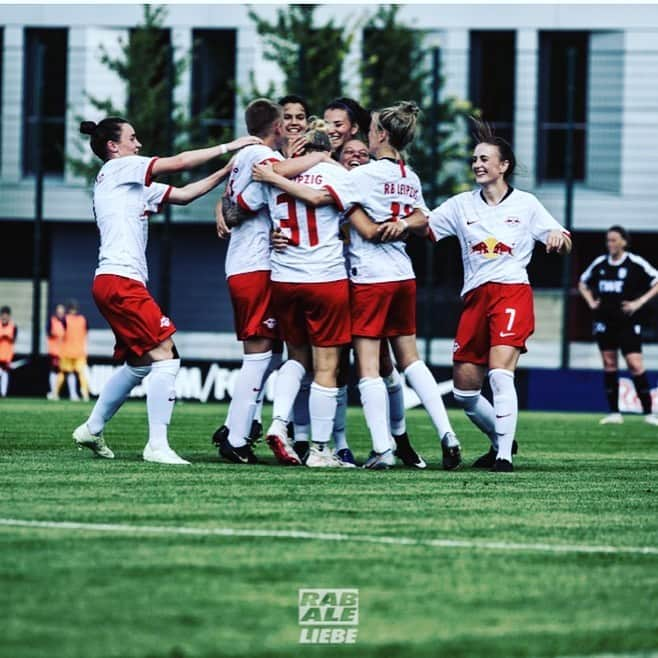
476,544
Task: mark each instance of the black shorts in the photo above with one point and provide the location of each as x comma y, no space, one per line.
625,336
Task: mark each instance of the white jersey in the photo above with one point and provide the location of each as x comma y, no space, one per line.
496,241
385,188
124,198
249,246
315,252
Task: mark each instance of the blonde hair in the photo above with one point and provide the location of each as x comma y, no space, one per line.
399,121
317,134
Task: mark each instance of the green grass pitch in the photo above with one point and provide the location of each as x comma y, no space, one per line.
85,593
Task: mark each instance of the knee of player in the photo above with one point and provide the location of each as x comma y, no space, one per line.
464,398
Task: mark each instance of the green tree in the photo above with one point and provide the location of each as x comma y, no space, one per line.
310,56
396,66
150,72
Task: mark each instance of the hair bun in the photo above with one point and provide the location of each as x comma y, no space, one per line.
410,107
87,127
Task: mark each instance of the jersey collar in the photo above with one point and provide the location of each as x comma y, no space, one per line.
510,189
617,262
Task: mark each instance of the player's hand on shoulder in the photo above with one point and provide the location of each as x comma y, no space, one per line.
241,142
263,172
279,240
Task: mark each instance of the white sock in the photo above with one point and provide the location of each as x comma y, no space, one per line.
479,411
274,364
396,402
72,383
506,408
114,393
338,431
300,410
322,407
375,409
422,381
243,403
286,389
4,383
52,382
160,400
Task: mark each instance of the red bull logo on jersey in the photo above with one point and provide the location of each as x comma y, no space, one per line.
491,247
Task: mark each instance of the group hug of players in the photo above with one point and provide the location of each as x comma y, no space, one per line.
317,213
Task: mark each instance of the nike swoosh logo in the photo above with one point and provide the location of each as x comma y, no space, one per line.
171,399
473,222
505,416
505,334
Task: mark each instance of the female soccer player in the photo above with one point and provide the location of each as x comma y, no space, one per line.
616,286
497,227
295,114
346,120
125,194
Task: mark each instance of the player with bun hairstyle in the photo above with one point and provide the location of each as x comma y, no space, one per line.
125,194
616,286
497,227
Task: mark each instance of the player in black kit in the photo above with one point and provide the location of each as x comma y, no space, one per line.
616,286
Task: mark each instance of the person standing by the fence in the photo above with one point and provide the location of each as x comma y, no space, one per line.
55,331
8,333
73,359
616,286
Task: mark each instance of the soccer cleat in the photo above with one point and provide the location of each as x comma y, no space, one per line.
241,455
324,457
256,432
280,445
406,453
489,459
345,455
95,442
612,419
452,456
502,466
162,456
652,419
220,434
378,461
52,396
301,448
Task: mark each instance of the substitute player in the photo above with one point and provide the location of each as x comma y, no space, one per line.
55,334
616,286
125,194
73,361
497,226
8,335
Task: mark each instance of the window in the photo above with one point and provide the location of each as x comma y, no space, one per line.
552,104
493,78
2,51
53,100
213,82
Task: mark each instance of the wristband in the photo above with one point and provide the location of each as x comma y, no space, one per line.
223,149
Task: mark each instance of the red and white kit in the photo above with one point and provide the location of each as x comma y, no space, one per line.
496,245
124,198
248,256
309,280
385,189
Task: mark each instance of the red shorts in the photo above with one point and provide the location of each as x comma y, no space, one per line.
494,314
138,323
383,310
54,362
313,313
251,295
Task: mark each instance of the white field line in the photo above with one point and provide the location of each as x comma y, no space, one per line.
481,544
635,654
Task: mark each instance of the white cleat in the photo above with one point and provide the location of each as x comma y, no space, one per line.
52,396
379,461
325,457
162,456
279,443
652,419
95,442
612,419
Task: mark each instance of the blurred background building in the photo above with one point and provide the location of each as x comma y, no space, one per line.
508,60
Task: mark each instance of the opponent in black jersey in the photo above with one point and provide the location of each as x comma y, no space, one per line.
616,286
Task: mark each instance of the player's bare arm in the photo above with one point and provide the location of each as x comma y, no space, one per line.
294,166
631,306
191,159
267,174
587,295
181,196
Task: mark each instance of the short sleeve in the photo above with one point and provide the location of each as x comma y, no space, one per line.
443,220
542,222
253,197
155,196
133,169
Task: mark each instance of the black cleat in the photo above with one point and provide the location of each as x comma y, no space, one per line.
221,433
406,453
452,454
502,466
256,432
241,455
489,459
301,448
